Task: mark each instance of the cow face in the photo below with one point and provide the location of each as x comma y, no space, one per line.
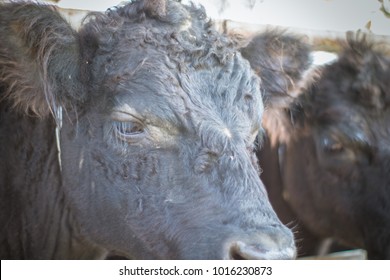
165,146
156,143
335,155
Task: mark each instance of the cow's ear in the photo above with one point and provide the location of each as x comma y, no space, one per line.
280,59
372,83
369,60
39,58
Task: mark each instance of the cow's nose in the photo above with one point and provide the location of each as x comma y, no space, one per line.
274,244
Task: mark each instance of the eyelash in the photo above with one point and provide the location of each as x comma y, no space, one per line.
129,131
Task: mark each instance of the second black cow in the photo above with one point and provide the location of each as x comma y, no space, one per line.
326,159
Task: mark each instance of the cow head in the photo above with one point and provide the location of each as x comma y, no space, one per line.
160,114
332,142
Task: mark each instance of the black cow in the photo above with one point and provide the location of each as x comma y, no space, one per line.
150,151
330,146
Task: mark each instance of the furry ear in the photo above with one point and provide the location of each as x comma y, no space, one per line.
369,61
280,59
39,58
372,82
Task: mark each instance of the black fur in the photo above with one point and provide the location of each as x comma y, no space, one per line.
331,149
160,114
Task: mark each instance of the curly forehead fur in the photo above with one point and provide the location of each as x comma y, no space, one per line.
183,32
135,46
73,64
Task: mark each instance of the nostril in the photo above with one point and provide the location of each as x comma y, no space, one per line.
241,251
264,250
235,256
271,242
235,253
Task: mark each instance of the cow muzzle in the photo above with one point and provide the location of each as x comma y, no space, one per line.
276,243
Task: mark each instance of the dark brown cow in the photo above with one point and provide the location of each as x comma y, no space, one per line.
330,146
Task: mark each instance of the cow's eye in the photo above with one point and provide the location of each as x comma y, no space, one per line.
129,130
